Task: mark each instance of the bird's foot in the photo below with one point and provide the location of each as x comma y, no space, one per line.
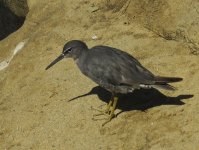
102,111
107,112
111,116
108,118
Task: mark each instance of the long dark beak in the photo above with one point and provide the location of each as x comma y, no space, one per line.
60,57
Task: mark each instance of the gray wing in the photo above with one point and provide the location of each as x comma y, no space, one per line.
113,66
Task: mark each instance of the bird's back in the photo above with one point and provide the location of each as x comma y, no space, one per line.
105,64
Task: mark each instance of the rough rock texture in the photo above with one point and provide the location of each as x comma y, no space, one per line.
18,7
171,20
34,108
12,16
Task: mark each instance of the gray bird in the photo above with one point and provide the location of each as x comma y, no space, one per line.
112,69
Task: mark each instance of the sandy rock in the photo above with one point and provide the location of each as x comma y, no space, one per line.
34,108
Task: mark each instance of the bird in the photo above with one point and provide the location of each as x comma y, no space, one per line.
114,70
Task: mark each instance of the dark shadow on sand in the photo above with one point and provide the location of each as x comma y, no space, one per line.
9,22
138,100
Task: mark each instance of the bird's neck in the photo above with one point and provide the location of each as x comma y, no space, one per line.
80,61
80,53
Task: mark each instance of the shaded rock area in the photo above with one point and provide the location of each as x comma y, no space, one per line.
12,16
18,7
35,111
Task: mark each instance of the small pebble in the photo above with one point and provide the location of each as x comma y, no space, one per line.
94,37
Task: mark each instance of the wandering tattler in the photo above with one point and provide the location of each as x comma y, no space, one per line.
114,70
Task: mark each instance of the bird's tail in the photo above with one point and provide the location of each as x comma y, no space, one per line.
162,82
159,79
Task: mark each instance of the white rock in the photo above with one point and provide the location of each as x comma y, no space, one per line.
94,37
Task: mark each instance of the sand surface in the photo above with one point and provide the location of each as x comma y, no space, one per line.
34,108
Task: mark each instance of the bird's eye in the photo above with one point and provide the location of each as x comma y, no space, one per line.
69,50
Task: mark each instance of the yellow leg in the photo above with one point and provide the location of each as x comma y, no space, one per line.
109,105
112,115
107,110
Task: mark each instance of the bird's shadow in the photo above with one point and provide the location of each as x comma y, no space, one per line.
138,100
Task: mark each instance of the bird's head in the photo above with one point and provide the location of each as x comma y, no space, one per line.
72,49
